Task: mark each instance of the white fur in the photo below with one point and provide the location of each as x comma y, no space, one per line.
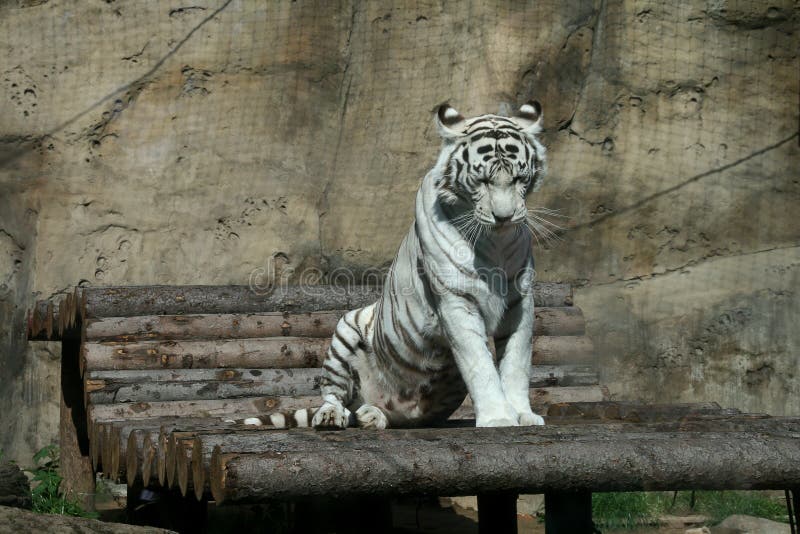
437,285
450,113
278,420
253,421
301,418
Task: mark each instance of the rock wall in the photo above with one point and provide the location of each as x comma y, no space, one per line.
167,143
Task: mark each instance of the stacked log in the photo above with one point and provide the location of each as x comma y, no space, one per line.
51,319
160,364
706,455
227,461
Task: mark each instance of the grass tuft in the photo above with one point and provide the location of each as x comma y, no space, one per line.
47,499
634,509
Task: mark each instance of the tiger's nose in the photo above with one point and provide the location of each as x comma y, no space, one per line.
499,219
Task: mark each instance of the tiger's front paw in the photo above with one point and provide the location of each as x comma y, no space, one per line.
497,417
530,419
369,416
331,416
498,421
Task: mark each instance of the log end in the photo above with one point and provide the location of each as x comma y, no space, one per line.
198,468
182,465
217,475
132,454
148,459
160,451
114,450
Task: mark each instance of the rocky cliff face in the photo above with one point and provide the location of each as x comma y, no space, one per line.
203,143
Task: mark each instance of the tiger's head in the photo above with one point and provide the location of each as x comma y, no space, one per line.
489,164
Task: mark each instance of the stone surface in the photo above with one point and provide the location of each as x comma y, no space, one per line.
225,141
745,524
14,521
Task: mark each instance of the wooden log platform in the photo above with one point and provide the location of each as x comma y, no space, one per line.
187,457
462,461
156,381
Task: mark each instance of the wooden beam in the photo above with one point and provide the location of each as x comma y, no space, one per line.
274,353
106,387
564,321
518,459
211,408
635,412
180,300
541,398
75,462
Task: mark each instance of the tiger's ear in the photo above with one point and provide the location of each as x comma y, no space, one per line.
529,117
449,121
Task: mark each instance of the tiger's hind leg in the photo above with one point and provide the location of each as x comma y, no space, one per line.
340,381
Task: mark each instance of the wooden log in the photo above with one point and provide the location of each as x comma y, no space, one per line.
149,459
183,465
564,321
562,413
111,441
633,411
174,449
132,431
251,439
542,398
195,447
517,459
211,408
130,301
96,434
134,457
161,456
181,300
550,350
221,326
75,462
269,353
14,487
154,428
42,321
118,438
106,387
275,353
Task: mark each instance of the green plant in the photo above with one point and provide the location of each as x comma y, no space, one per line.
47,499
626,510
632,509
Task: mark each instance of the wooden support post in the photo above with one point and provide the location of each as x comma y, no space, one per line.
76,464
497,513
568,513
356,515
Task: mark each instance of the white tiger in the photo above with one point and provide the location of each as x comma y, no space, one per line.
464,272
